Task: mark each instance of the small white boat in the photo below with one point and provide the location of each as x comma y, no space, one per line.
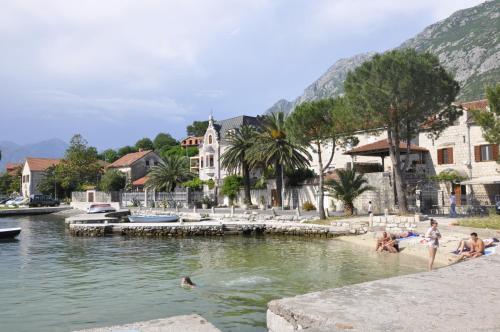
100,208
9,233
154,218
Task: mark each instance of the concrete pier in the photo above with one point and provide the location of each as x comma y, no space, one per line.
26,211
191,323
461,297
208,228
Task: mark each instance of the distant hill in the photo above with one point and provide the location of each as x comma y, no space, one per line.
12,152
467,44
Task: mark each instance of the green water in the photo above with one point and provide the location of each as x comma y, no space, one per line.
51,281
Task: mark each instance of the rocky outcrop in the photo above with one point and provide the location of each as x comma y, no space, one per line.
466,43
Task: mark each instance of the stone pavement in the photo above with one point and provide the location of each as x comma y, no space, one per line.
191,323
461,297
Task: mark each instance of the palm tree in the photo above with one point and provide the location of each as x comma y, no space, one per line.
170,171
273,147
235,157
349,186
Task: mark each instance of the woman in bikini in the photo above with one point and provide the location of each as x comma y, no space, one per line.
432,236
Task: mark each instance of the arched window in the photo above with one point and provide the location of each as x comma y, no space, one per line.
209,139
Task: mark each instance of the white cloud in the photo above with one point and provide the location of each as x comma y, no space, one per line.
353,15
213,94
54,103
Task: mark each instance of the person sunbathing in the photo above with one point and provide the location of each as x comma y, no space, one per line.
466,245
476,248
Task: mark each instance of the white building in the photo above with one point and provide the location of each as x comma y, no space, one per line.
33,171
214,144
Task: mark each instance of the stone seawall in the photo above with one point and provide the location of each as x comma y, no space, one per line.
209,229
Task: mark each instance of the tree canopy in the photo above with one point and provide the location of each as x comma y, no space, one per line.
490,121
144,144
398,92
172,170
164,140
316,124
235,158
112,180
197,128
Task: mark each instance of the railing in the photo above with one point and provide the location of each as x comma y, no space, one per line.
176,198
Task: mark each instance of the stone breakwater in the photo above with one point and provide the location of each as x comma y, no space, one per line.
210,229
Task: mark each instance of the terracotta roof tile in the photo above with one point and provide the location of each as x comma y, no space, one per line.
140,181
383,145
41,164
475,105
128,159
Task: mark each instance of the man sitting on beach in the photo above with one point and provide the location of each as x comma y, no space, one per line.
465,245
476,250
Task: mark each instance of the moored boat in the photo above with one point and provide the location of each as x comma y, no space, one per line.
9,233
154,218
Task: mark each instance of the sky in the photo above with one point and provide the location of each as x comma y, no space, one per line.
119,70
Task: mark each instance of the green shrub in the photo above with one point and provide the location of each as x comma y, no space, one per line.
231,187
308,206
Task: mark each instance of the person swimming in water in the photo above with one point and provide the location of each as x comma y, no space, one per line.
187,282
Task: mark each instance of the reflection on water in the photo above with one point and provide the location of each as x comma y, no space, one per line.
51,281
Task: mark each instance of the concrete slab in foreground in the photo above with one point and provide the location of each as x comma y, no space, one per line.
192,323
461,297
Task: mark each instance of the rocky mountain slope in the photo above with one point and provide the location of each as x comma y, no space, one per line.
467,44
12,152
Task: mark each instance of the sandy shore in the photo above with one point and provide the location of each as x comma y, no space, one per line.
451,236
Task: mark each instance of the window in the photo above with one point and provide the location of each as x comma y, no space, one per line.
201,162
147,163
211,161
487,152
445,156
209,139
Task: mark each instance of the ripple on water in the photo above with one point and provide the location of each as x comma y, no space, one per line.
58,283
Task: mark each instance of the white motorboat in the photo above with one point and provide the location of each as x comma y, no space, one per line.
153,218
9,233
100,208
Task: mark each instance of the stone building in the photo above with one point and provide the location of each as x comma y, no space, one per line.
136,165
463,149
33,172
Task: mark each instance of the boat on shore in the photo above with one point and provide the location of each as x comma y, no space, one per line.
153,218
9,233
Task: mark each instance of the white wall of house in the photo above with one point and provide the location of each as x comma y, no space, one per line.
30,180
462,139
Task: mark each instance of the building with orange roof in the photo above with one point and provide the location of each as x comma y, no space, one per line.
33,172
13,168
136,165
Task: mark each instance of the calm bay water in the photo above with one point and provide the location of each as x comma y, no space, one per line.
51,281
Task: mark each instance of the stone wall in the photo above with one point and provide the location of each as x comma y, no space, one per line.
213,229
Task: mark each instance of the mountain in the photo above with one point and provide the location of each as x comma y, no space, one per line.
12,152
466,43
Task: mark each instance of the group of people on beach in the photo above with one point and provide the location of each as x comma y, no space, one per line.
473,248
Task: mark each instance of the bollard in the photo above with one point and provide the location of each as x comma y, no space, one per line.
297,211
194,209
370,223
232,210
213,210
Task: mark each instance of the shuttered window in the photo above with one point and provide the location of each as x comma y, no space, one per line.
445,156
486,152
